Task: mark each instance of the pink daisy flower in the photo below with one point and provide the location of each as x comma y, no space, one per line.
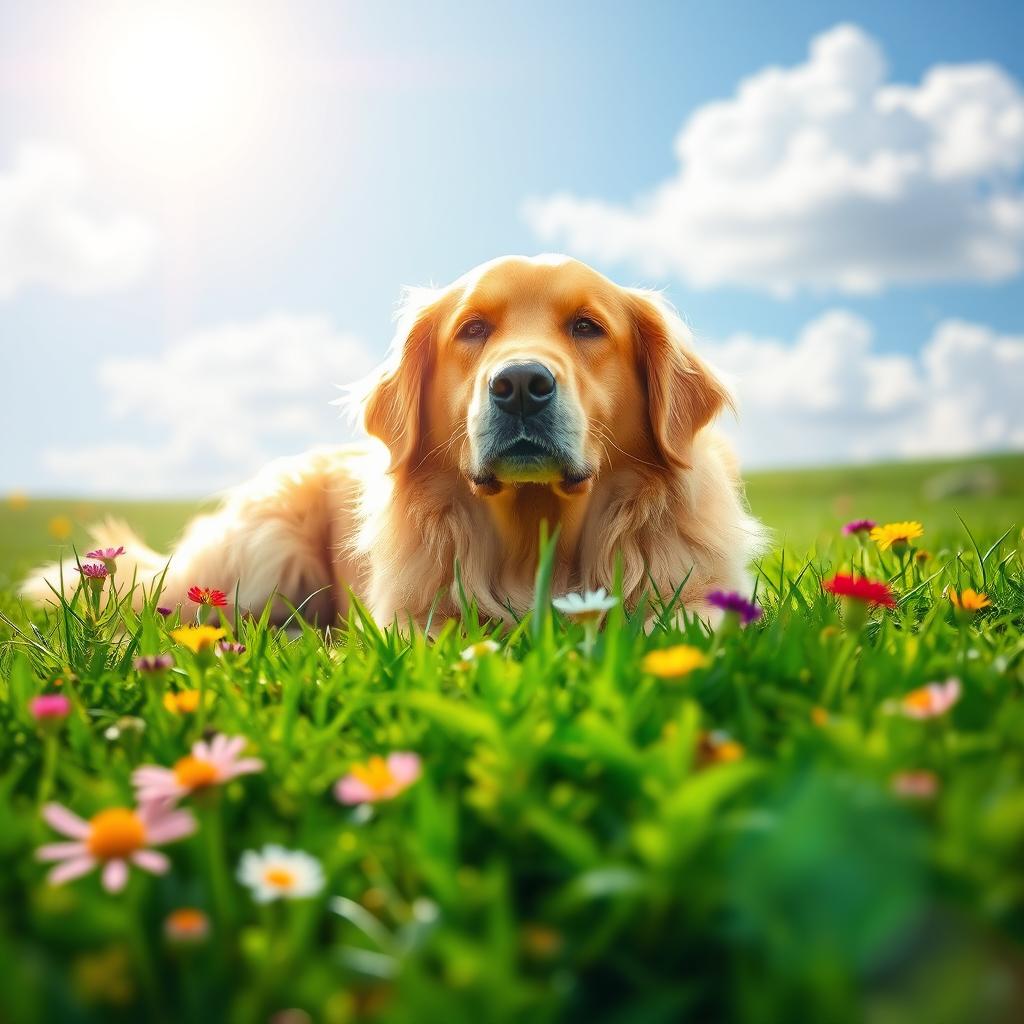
931,700
378,778
114,838
94,571
209,764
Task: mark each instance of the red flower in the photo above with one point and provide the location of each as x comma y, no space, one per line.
861,589
204,595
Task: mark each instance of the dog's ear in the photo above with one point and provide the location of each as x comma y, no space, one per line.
392,408
683,394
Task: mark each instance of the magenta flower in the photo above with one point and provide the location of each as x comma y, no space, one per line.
114,838
49,706
378,778
163,611
227,647
150,664
94,571
209,764
857,527
736,604
105,554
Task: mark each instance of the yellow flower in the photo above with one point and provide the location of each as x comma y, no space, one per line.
896,535
674,662
17,499
969,600
60,527
198,638
182,703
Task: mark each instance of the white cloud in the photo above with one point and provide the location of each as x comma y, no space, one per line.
829,397
221,402
824,176
51,236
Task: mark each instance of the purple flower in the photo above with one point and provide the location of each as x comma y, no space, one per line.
857,526
227,647
164,611
93,571
150,663
736,604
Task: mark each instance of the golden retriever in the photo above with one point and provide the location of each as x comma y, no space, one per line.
531,389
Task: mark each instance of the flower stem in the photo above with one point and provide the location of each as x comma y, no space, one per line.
49,767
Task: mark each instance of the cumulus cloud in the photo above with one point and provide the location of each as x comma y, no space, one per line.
830,397
826,176
219,402
51,234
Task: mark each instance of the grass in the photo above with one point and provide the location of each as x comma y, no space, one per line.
587,841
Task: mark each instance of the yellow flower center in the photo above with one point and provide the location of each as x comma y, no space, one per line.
279,878
115,832
194,773
375,775
919,700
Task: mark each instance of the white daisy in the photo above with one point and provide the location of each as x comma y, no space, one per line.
479,649
589,607
275,873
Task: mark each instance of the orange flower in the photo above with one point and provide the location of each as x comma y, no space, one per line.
968,600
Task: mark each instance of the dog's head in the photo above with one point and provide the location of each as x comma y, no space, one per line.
539,371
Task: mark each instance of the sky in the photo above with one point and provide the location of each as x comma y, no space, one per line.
207,213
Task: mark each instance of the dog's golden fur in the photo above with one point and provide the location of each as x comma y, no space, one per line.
640,473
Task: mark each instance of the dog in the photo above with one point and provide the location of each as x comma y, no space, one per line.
529,390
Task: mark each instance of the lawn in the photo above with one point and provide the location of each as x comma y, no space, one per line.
818,816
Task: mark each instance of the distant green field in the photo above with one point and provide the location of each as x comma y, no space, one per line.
802,506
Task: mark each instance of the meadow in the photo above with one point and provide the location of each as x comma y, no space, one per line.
817,815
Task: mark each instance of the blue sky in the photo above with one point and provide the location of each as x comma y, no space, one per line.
360,150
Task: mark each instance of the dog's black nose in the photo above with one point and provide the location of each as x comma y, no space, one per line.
522,388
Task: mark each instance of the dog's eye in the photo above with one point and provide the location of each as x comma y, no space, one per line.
584,327
474,330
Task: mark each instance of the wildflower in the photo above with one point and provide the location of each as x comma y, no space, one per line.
182,703
161,610
227,647
921,785
115,838
378,778
275,873
735,605
198,639
108,556
49,707
204,595
589,607
968,601
897,535
674,662
931,700
209,764
17,499
819,716
921,556
186,926
151,664
858,588
859,527
94,572
718,747
60,527
479,650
